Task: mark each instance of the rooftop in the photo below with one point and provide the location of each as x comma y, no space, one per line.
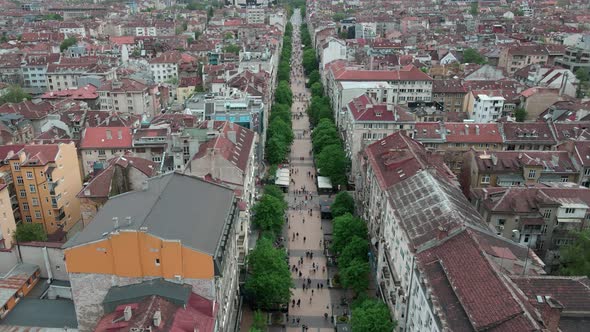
173,207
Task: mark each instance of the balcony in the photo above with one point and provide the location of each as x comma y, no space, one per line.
60,216
52,186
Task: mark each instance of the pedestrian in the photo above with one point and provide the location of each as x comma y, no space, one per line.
312,292
308,281
297,234
304,220
304,239
318,286
323,269
300,274
293,303
325,316
310,300
297,318
298,306
304,287
311,255
322,285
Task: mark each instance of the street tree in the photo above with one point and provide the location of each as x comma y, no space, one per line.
279,129
371,315
269,214
355,276
268,285
343,203
346,227
333,163
317,89
274,191
309,61
356,248
314,76
276,150
283,94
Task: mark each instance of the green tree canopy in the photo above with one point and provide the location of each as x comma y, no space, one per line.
333,163
279,129
280,111
269,214
325,138
470,55
314,76
232,48
269,281
371,316
283,94
276,150
309,61
26,232
274,191
259,323
357,247
337,17
355,276
317,89
66,43
575,258
474,10
346,227
343,203
520,114
14,95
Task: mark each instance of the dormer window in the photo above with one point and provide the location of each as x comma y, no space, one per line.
378,114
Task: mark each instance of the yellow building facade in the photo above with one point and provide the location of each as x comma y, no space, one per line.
47,179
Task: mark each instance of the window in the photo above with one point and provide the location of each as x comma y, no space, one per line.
587,171
23,193
501,222
29,175
570,210
547,214
17,166
101,152
35,201
88,152
564,178
25,206
157,262
32,188
28,219
157,159
19,180
485,178
532,173
38,214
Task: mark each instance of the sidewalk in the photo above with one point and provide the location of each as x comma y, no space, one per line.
305,231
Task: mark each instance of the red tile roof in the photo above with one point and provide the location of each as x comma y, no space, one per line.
38,154
364,109
407,73
473,133
235,147
537,132
398,157
7,151
84,93
479,299
98,137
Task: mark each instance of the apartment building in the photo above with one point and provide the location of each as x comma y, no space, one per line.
449,94
166,66
412,206
47,179
127,96
484,106
574,59
120,175
541,217
367,121
255,15
99,144
230,158
7,223
483,169
513,58
34,68
177,227
66,76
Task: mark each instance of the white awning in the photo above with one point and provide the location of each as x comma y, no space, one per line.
282,177
324,182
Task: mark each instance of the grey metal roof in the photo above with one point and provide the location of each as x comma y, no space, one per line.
175,293
173,207
42,313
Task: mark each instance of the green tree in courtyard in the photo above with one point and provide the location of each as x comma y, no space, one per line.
520,114
470,55
371,315
343,203
15,94
66,43
575,258
26,232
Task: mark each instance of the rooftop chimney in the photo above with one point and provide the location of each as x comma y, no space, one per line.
494,159
109,134
157,318
443,232
127,313
466,129
552,314
477,130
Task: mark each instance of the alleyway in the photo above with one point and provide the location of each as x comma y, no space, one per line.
305,233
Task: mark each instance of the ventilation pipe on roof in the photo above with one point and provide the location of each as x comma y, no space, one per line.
47,265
